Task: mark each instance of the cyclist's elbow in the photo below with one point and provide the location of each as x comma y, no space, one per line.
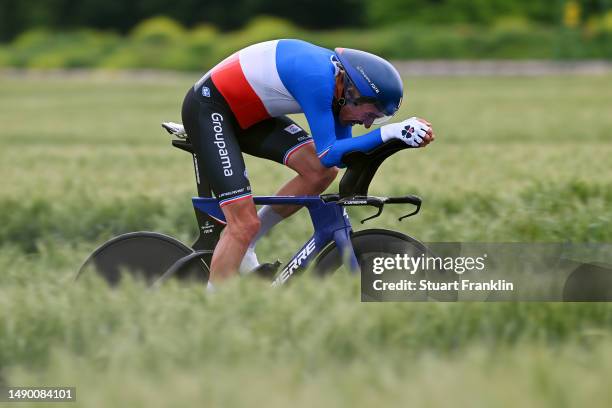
333,157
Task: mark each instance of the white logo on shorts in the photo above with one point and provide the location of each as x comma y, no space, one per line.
293,129
206,91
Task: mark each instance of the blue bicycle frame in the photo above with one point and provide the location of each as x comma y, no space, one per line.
329,219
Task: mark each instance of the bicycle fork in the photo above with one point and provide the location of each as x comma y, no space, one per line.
343,241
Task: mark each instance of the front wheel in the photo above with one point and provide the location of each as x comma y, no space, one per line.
371,248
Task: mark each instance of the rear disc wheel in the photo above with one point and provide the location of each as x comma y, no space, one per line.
146,255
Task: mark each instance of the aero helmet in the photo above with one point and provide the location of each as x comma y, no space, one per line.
376,80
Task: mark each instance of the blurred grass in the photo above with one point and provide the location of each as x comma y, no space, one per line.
311,343
82,159
518,159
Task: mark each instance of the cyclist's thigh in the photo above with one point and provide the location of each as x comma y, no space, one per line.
274,139
212,132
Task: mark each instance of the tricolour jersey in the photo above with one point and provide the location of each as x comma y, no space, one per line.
280,77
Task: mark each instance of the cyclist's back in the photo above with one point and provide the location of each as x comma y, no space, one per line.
272,79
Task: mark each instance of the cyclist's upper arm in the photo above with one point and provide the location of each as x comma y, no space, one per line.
315,98
332,140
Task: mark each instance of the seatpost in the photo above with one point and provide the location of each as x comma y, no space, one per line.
208,228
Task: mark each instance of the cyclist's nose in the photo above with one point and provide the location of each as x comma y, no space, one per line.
367,122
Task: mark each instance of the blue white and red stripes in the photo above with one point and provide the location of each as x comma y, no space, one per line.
250,83
295,149
234,199
324,152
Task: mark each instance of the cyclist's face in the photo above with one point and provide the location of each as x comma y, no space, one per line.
359,114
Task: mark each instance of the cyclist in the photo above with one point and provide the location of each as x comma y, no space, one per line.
241,104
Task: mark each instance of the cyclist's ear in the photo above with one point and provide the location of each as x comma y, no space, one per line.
339,85
350,91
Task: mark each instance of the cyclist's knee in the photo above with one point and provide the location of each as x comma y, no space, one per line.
330,174
322,177
306,163
245,228
242,220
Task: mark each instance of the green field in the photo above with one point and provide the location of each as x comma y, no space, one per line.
84,158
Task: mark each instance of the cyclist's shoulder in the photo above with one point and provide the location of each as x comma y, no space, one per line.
301,46
292,47
301,62
304,53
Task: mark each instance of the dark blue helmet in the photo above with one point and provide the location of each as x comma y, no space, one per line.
375,79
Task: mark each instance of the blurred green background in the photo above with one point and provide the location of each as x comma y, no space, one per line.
192,35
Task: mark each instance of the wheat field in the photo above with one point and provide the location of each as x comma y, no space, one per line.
83,158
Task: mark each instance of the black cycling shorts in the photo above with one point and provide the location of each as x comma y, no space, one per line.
218,141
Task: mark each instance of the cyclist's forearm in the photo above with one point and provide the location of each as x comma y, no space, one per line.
332,156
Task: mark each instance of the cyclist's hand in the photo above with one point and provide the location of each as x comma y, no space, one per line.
414,132
430,136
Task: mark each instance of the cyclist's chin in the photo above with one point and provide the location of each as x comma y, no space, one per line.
345,122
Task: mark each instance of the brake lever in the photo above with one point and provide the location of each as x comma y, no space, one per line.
379,206
418,208
377,202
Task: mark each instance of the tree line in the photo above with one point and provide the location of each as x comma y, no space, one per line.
121,16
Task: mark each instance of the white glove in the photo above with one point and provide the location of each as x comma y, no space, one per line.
411,131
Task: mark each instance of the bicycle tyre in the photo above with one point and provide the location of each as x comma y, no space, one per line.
371,243
145,255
